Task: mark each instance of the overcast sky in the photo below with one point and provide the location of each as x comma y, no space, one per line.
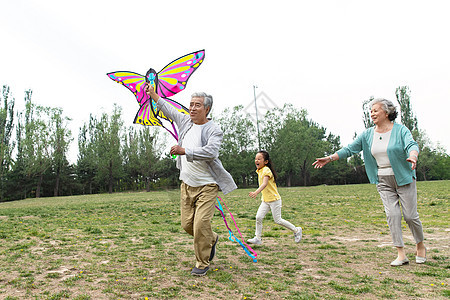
323,56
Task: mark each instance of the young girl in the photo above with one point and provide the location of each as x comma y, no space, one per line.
271,200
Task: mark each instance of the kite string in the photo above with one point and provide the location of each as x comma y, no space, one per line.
175,135
233,238
231,215
247,248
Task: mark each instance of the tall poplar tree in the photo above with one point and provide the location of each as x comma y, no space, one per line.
34,151
60,137
108,148
6,144
407,116
87,162
366,113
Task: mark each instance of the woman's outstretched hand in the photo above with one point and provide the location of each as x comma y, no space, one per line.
320,162
413,161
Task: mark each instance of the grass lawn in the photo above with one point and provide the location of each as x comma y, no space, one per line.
132,246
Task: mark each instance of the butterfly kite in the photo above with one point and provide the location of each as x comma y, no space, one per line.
171,80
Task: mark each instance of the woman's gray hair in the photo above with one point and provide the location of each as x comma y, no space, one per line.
207,100
387,106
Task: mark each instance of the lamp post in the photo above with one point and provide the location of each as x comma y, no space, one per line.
256,113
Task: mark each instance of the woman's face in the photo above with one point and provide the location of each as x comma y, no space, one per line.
378,114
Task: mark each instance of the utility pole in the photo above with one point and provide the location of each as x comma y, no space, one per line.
256,113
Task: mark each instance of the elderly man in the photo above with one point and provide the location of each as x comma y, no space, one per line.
201,172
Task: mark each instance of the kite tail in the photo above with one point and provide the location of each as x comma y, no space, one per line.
175,135
242,238
250,252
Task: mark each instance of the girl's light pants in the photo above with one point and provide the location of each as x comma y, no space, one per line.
275,207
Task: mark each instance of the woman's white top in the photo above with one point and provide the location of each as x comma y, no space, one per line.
379,151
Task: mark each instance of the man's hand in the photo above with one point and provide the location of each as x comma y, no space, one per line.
177,150
150,91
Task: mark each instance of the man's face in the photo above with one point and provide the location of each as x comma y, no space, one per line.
197,110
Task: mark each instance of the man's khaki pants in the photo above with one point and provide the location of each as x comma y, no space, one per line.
197,210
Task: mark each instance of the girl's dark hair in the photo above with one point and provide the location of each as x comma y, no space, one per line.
266,156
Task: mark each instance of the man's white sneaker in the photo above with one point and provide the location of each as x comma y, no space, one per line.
298,235
255,241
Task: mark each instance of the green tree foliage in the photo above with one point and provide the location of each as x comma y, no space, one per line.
149,154
131,158
441,165
407,116
17,176
141,154
433,163
87,163
167,174
293,142
431,160
6,144
107,149
35,150
239,144
60,137
366,113
113,158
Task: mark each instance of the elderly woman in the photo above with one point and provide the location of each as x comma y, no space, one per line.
390,156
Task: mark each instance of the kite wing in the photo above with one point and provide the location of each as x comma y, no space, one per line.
177,106
146,116
132,81
149,115
173,78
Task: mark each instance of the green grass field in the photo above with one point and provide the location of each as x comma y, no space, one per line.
132,246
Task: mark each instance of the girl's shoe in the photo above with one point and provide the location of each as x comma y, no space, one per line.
255,241
397,263
298,235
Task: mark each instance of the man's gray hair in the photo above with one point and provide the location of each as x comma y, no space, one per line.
207,99
387,106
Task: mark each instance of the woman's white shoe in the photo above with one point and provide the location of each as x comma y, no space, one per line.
397,263
420,259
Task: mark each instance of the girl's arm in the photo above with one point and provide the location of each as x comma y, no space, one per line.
261,187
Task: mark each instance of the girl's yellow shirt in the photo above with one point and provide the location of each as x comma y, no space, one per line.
270,192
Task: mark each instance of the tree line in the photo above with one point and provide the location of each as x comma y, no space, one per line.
113,157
